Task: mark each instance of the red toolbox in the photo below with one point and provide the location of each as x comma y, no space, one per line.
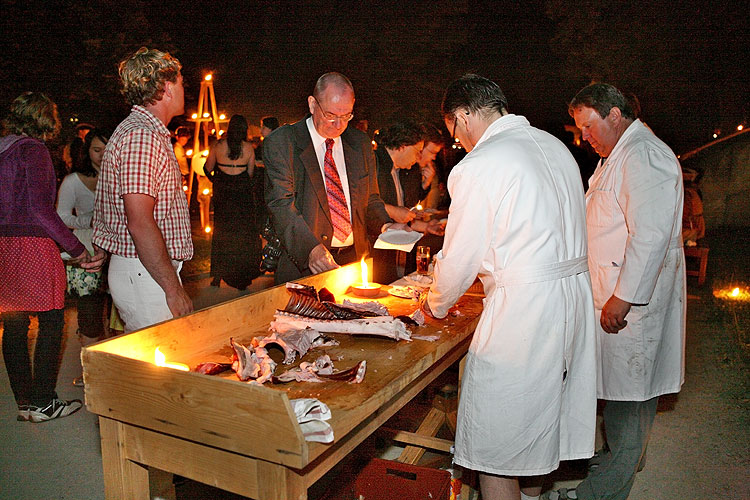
389,480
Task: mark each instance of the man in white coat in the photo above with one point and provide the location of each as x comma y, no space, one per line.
517,220
634,219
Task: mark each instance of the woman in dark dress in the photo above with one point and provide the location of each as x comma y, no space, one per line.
239,211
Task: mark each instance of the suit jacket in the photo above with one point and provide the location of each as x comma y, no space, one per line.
411,181
385,268
297,200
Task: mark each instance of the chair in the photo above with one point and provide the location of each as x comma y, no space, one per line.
699,252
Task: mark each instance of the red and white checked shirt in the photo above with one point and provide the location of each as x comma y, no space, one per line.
139,159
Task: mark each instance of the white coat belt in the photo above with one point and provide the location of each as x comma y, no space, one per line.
545,272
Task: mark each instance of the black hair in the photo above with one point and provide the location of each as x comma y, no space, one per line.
270,121
601,97
82,164
236,135
474,93
399,134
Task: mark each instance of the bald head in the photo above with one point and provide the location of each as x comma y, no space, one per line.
331,104
334,81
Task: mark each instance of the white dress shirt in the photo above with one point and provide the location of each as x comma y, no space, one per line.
319,143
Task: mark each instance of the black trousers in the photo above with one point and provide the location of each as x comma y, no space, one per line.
35,384
91,315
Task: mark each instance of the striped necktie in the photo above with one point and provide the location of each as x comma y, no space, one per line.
342,226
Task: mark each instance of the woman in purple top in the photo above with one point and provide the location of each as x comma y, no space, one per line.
33,277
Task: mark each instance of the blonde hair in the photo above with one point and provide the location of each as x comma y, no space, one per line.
144,74
33,114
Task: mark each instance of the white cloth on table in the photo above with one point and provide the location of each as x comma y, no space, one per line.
312,415
517,220
398,239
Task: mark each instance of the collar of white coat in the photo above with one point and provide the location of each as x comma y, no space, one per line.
501,124
633,129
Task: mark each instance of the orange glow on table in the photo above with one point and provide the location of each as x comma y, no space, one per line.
160,360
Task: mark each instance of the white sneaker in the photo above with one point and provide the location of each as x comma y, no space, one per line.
23,413
57,408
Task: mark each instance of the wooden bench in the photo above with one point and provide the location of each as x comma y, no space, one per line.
699,252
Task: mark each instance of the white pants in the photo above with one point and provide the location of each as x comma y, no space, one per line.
138,298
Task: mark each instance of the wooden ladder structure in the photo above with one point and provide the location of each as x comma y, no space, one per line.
206,114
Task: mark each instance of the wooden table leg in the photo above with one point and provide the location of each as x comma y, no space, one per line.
123,478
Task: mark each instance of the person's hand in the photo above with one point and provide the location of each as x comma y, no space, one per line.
321,260
424,306
402,214
179,302
434,226
613,314
94,263
430,227
428,172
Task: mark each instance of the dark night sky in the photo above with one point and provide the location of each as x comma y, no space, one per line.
687,63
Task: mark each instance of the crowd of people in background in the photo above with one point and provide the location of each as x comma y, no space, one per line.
561,270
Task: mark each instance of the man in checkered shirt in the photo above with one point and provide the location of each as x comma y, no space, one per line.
141,214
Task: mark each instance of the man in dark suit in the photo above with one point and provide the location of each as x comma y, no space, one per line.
399,147
321,185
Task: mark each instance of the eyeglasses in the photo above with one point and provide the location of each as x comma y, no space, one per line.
330,117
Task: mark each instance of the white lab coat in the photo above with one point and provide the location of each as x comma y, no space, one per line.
517,220
634,219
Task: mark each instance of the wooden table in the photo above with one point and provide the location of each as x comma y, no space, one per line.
240,437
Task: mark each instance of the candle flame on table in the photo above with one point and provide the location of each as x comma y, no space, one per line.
735,292
161,360
363,266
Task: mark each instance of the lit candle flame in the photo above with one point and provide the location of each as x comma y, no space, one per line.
208,229
184,188
735,292
205,152
363,266
419,206
206,115
222,116
160,360
189,152
206,191
208,77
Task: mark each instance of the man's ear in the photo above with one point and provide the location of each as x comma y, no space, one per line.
310,101
615,114
463,116
168,89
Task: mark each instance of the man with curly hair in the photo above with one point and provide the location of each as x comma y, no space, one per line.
141,214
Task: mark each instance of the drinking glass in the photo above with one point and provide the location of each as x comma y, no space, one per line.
423,260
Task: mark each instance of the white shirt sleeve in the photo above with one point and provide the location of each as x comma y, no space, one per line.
66,202
468,237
